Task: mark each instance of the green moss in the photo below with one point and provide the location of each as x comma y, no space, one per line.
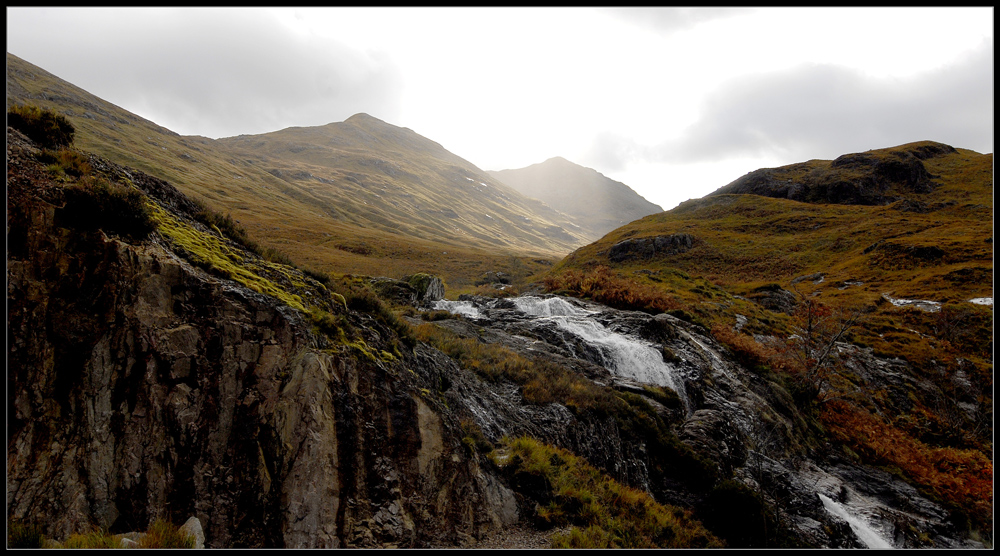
214,253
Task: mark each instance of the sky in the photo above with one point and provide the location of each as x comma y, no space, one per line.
673,102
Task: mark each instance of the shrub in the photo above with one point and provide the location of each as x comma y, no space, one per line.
20,535
98,538
962,479
358,296
65,161
98,204
163,534
474,439
604,286
45,127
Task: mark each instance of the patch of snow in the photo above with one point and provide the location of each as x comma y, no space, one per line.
982,301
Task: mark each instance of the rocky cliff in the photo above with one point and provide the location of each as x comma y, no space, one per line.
141,386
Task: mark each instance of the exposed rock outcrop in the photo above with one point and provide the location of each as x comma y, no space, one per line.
775,298
649,247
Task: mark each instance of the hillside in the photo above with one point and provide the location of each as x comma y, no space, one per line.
360,196
934,243
893,259
598,203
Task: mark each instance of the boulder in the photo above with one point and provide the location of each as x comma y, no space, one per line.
773,298
427,287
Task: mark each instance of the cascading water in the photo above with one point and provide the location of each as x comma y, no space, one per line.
869,536
623,356
464,308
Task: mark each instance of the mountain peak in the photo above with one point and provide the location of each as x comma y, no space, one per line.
362,117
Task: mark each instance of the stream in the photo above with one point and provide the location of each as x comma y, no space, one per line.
624,355
720,400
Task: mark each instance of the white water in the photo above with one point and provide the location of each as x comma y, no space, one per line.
922,304
982,301
464,308
551,307
623,356
869,536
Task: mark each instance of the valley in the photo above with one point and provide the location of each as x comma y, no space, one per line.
347,336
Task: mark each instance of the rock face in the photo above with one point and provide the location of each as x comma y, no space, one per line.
649,247
142,388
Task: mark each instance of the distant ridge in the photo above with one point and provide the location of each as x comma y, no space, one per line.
598,203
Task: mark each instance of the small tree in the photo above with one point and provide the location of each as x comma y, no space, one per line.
812,347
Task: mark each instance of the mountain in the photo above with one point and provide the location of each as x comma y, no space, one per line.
598,203
359,196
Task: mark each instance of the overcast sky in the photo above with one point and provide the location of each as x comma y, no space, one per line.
674,102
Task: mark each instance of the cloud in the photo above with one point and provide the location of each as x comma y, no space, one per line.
822,111
668,20
612,152
213,72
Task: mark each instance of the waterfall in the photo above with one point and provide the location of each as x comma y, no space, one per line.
551,307
464,308
623,356
869,536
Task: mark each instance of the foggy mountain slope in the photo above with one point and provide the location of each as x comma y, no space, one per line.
599,203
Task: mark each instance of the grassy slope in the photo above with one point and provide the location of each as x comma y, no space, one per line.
745,241
943,254
363,220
